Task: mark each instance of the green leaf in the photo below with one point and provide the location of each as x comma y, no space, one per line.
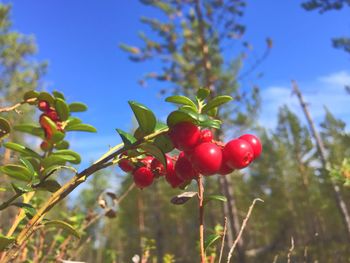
206,122
29,210
210,240
56,134
203,93
164,143
5,242
81,127
56,160
216,102
58,95
127,138
52,169
17,171
5,128
154,151
31,94
28,165
20,189
220,198
182,100
49,185
181,115
73,120
77,107
47,97
75,155
182,198
62,145
31,129
144,116
64,225
62,109
21,149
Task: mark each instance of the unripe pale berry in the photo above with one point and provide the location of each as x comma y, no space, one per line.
143,177
254,143
185,135
238,154
206,158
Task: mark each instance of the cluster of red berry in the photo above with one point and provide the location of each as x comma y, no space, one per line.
200,154
51,114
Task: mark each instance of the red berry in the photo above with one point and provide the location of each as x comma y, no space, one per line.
147,161
206,158
52,114
126,165
206,136
173,179
225,169
184,169
46,126
158,168
43,105
238,154
45,146
143,177
254,143
184,135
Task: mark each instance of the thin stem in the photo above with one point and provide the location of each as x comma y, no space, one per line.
201,218
9,201
13,107
223,240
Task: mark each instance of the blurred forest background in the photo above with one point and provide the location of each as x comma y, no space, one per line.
303,175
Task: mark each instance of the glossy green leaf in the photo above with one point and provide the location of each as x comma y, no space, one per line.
73,120
49,185
154,151
210,240
29,210
18,172
5,128
28,165
77,107
31,94
63,225
144,116
127,138
182,100
21,149
210,123
220,198
47,97
31,129
58,95
181,115
62,109
203,93
75,155
52,169
20,189
216,102
81,127
5,242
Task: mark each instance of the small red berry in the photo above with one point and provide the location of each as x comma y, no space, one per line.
45,146
185,135
43,105
143,177
126,165
206,136
238,154
158,168
206,158
147,161
173,179
184,169
254,143
225,169
52,114
46,126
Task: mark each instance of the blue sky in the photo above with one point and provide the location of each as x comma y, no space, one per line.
80,41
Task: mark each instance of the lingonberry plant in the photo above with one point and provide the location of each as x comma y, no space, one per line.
181,150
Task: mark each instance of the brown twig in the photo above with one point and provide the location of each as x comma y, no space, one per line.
242,228
223,240
15,106
201,218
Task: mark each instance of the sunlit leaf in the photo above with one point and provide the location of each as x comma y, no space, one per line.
20,189
220,198
17,171
62,109
203,93
58,95
182,100
127,138
216,102
21,149
47,97
31,94
144,116
81,127
77,107
31,129
75,155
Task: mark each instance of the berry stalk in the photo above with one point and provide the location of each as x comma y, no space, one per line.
201,217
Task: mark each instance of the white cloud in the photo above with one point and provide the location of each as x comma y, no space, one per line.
326,91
